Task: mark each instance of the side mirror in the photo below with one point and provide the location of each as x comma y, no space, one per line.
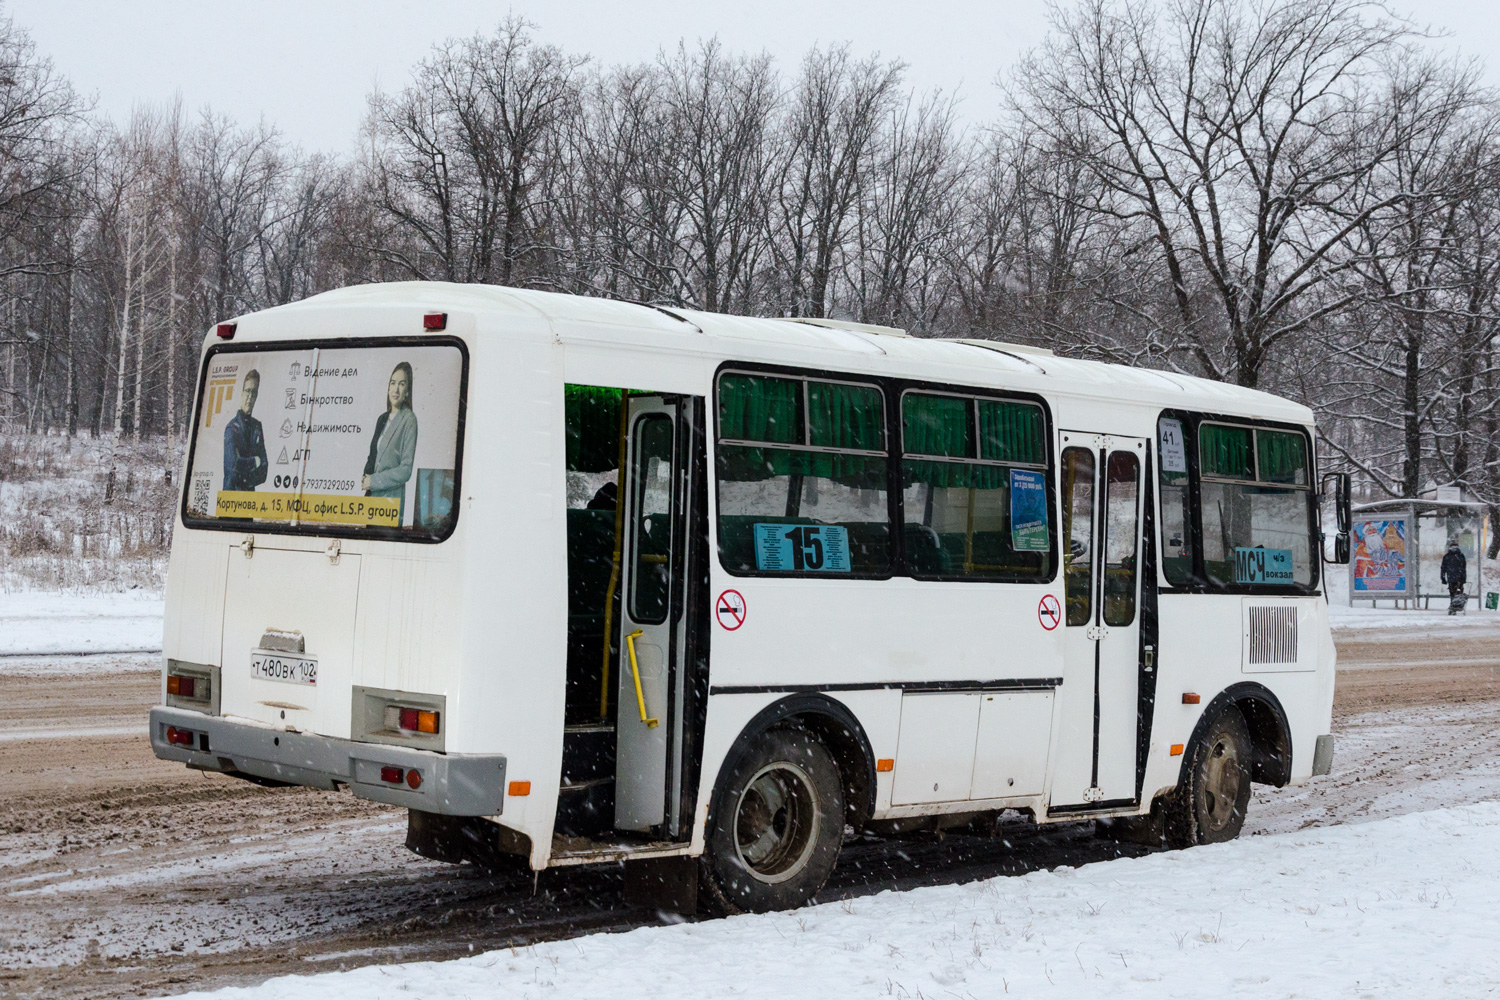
1336,489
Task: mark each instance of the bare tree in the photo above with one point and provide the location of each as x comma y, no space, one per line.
1235,137
831,141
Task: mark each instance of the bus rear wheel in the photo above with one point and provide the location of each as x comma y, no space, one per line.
1214,791
778,823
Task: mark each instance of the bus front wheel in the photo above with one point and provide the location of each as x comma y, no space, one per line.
1209,804
778,823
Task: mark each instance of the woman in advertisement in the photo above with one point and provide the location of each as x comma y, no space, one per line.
393,448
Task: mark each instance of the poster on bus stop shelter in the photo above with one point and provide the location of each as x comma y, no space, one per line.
1379,564
355,436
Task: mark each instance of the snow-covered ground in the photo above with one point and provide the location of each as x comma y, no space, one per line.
1334,889
41,623
1397,907
1431,620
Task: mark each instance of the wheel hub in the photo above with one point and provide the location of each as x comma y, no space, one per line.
1222,781
776,822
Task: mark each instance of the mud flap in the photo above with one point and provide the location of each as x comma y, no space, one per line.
664,884
1323,756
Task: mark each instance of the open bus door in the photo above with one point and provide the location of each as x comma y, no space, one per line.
656,638
1102,510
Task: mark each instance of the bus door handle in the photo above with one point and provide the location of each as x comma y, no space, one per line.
635,672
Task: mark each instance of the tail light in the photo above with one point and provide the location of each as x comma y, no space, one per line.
435,321
401,718
191,685
391,775
181,737
411,720
225,331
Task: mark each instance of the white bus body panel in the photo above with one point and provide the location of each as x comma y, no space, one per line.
481,618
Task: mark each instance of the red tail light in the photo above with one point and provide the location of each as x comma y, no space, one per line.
391,775
415,720
183,687
435,321
226,330
181,737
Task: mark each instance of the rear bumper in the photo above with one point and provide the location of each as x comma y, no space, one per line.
451,785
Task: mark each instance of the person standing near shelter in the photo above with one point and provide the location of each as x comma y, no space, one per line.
1455,574
245,464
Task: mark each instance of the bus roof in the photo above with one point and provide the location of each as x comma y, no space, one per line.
751,339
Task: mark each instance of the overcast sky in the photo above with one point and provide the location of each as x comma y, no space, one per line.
308,65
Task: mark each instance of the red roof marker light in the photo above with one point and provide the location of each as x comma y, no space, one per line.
226,330
435,321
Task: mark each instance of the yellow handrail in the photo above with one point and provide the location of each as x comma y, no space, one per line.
635,670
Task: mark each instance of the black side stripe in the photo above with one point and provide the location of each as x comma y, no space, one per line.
1015,684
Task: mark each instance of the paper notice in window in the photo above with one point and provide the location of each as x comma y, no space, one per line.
1028,511
1173,448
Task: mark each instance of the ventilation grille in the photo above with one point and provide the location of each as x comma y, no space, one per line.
1273,634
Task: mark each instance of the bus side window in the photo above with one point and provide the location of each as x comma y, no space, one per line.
974,481
650,577
1078,533
1176,502
801,476
1258,506
1121,529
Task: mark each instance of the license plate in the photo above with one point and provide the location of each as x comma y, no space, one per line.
281,667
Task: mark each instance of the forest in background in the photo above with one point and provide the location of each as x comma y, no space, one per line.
1301,196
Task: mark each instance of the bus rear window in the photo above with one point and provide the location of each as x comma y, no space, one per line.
329,440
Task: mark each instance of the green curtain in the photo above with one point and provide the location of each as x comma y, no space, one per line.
953,475
1225,451
936,425
1011,432
591,417
739,464
845,416
757,408
1283,457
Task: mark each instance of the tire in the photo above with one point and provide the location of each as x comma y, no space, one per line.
776,827
1209,804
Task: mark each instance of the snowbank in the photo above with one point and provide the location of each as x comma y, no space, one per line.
42,623
1398,907
1348,621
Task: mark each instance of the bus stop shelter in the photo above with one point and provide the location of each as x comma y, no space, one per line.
1398,548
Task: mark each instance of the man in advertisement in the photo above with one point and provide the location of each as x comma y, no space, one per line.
244,442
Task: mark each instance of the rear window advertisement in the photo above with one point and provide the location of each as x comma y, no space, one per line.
362,436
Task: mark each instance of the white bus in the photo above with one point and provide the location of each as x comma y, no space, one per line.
586,581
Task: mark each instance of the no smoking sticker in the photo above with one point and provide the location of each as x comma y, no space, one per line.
730,610
1049,612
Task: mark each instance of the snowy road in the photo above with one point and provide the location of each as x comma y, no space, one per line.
122,875
1344,911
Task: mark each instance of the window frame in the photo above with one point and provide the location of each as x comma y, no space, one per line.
1192,421
634,504
974,397
324,529
804,376
893,389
